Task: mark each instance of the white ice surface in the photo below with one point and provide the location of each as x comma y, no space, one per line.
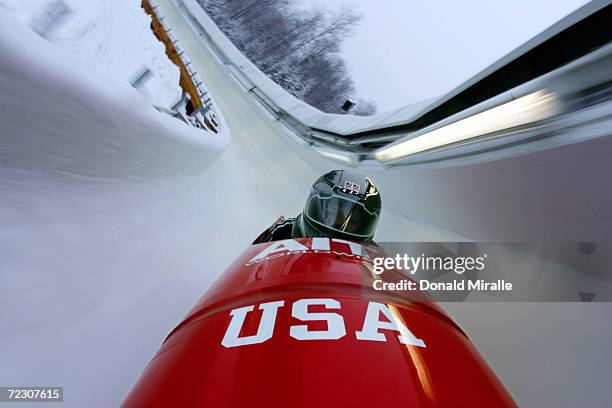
112,37
93,181
114,220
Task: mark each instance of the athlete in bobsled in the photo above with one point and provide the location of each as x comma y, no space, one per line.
342,204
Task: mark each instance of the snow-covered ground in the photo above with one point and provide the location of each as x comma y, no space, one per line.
113,37
91,176
114,218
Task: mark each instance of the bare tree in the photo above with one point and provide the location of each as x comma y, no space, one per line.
298,49
337,28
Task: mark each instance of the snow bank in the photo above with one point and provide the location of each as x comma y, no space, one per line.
59,115
113,36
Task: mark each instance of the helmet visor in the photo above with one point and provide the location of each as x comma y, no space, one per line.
342,215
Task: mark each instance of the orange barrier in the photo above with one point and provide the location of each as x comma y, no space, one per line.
186,81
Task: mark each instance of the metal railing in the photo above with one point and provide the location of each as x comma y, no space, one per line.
202,99
368,140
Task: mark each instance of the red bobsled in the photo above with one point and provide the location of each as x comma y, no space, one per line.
297,323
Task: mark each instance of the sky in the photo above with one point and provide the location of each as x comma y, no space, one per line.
407,51
111,228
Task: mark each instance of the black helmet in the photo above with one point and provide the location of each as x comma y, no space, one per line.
342,204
